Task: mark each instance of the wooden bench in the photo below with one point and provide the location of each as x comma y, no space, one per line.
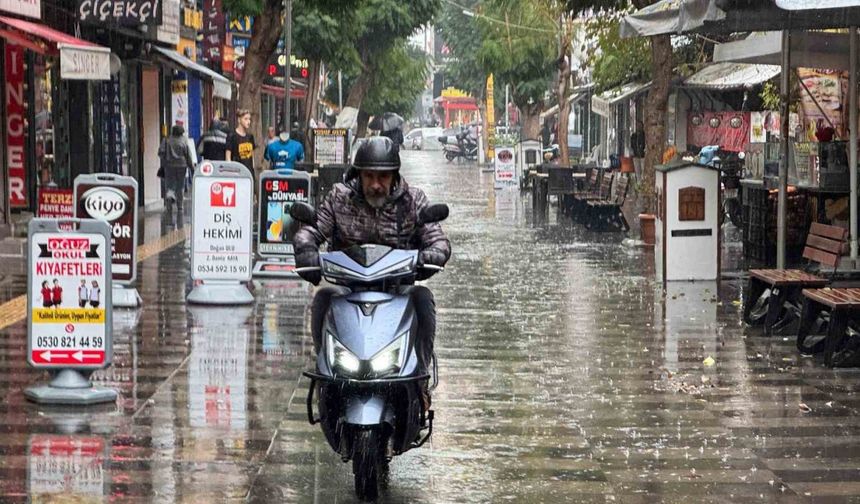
843,305
606,213
824,246
595,191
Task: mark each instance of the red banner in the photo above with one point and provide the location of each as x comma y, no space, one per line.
15,126
729,130
213,31
55,203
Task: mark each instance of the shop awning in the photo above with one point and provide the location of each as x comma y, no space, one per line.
574,98
601,103
79,59
727,76
296,92
808,50
221,86
816,4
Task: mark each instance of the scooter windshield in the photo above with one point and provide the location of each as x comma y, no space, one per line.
367,264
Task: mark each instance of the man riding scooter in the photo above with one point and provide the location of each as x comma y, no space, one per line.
374,205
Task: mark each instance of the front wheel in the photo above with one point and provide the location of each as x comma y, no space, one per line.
450,156
368,465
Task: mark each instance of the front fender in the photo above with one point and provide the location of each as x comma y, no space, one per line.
368,410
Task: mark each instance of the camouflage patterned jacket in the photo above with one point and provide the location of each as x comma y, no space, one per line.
345,218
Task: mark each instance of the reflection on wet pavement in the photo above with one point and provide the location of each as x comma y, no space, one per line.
567,375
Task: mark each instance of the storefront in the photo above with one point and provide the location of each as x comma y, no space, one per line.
49,77
456,108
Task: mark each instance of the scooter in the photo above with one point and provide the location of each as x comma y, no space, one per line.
368,378
465,148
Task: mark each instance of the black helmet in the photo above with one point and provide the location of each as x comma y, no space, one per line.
377,153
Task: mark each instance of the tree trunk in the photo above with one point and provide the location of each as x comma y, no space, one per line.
264,40
361,124
655,115
359,89
531,121
562,88
313,93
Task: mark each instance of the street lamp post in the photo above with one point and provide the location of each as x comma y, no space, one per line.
288,49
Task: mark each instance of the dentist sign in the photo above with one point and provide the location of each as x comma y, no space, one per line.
221,222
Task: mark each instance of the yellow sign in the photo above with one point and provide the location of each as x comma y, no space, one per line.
73,315
179,86
453,92
491,119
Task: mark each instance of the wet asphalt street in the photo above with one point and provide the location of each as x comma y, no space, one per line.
567,375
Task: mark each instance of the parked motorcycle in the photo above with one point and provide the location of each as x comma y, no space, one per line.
463,147
368,378
730,165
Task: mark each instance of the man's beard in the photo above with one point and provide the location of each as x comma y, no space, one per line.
375,202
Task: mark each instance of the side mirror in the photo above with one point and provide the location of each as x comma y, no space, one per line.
303,213
433,213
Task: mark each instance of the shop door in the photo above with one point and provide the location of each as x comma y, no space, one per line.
151,122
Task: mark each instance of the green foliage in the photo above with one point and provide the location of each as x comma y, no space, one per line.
394,89
616,60
397,88
458,30
518,47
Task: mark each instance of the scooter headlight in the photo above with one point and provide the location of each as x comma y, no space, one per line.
389,358
339,357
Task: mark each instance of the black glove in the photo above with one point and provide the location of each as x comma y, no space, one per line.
309,259
429,256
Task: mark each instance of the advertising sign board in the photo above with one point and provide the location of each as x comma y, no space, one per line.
15,126
55,203
331,146
66,465
277,194
505,166
221,222
68,295
120,12
112,199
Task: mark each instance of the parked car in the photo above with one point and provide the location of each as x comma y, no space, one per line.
423,138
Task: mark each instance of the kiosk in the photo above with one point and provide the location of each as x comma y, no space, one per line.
688,222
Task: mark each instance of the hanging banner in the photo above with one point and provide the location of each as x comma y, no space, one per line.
109,110
213,31
68,295
729,130
179,108
491,119
821,102
15,126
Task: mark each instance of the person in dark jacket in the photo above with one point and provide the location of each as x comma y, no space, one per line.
213,143
374,205
175,159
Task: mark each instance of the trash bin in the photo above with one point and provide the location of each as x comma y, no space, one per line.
688,222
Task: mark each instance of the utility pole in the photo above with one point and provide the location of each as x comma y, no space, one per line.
339,91
288,48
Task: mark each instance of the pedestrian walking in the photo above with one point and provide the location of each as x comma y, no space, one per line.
56,294
175,160
83,294
95,295
240,143
213,143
